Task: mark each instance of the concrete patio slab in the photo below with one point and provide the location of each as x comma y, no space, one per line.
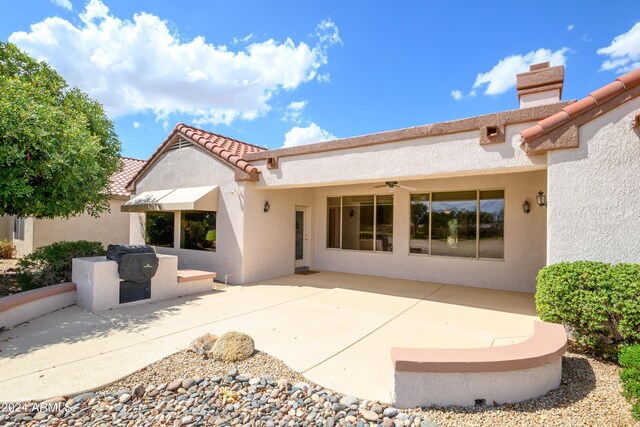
335,328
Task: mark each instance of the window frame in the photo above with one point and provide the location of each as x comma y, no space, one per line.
180,234
176,215
477,257
375,220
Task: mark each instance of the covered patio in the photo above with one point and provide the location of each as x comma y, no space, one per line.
335,328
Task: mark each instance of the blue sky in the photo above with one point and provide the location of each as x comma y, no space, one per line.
296,72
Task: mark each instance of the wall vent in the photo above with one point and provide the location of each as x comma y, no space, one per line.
180,143
272,163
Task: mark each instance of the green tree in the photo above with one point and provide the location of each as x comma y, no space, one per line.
57,147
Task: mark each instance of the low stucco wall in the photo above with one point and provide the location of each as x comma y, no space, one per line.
22,307
466,377
593,192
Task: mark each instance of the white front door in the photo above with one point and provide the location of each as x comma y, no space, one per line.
302,237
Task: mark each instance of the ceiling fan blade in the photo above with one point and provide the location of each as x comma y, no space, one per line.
380,186
406,188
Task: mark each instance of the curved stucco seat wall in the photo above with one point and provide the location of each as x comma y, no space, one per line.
24,306
464,377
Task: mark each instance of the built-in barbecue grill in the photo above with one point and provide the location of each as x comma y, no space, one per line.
137,264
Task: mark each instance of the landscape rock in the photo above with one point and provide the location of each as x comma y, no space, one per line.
174,385
233,347
202,344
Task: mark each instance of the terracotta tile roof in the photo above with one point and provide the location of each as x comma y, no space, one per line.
570,112
119,180
229,150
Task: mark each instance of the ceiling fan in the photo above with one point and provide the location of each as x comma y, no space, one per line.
392,185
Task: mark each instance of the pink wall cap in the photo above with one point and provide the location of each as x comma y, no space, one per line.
547,344
21,298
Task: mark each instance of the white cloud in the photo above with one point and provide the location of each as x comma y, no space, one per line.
140,65
570,27
294,111
65,4
502,76
245,39
623,52
136,125
457,94
310,134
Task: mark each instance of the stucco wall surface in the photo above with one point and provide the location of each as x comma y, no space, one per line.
5,230
430,156
191,167
269,246
110,227
594,203
413,389
23,246
524,244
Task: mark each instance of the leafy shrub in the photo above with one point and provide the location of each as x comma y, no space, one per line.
51,264
629,359
577,295
7,249
625,300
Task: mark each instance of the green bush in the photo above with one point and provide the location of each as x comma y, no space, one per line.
50,265
597,301
625,300
629,359
7,249
577,294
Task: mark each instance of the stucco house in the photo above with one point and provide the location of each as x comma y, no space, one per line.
112,226
483,201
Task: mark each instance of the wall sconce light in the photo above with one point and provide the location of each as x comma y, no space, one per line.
541,199
267,206
352,213
525,207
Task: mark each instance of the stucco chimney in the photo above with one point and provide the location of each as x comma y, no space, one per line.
541,85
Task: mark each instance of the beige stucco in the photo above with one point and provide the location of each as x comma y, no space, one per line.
111,227
593,192
25,245
442,155
5,229
192,167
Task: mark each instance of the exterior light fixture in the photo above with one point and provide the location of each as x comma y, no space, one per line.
541,198
267,206
525,207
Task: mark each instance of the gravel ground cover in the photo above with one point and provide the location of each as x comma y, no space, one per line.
185,389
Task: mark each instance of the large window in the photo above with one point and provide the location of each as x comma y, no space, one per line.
361,223
198,231
159,229
468,224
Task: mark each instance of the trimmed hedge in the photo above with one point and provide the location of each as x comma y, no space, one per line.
50,265
597,301
629,359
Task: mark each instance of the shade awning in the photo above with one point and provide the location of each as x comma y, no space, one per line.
176,199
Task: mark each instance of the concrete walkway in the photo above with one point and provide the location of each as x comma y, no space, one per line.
335,328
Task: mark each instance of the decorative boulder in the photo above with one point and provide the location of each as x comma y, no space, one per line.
202,344
232,347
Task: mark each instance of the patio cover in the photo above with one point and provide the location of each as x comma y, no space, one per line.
176,199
